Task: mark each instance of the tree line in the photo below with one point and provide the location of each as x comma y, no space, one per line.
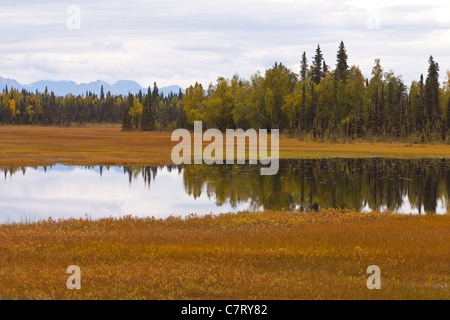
150,111
317,103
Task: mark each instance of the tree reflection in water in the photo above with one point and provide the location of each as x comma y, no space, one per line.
368,183
375,183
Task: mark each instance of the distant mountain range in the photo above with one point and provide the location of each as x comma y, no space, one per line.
63,88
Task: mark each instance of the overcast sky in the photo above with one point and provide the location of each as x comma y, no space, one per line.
180,42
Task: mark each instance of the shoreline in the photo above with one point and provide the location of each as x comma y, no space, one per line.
43,146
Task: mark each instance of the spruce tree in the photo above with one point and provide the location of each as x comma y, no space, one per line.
317,72
324,69
303,67
341,65
421,112
432,93
155,102
126,120
155,94
181,119
148,121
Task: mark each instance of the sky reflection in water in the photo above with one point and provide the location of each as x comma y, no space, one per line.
64,192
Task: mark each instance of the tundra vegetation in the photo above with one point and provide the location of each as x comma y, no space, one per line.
40,146
265,255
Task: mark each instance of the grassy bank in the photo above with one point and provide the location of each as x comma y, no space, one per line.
271,255
20,146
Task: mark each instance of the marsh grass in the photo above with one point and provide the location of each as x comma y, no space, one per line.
269,255
40,146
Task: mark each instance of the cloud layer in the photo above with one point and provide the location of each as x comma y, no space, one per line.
180,42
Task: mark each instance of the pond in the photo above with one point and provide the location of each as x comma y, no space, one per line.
405,186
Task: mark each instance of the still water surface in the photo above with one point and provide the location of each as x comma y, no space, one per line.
404,186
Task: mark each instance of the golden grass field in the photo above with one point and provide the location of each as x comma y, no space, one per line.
26,145
268,255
